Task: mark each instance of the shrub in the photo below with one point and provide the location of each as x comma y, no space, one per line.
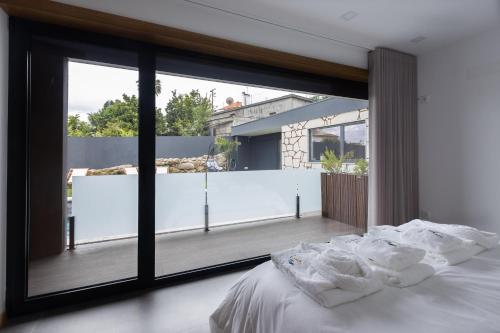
333,164
361,167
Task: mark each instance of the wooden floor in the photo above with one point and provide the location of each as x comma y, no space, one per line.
176,252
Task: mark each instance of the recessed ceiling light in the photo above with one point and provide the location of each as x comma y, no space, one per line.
418,39
347,16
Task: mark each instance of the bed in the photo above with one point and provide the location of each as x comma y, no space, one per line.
461,298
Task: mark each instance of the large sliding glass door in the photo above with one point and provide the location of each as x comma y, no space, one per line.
121,178
83,171
234,176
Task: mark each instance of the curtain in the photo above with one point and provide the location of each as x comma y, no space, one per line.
393,142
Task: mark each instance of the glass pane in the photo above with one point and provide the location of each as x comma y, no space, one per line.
98,229
222,163
323,139
355,140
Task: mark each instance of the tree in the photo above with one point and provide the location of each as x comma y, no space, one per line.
117,118
157,86
77,127
187,114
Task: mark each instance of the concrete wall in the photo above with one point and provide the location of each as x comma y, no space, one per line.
107,152
223,121
4,52
459,132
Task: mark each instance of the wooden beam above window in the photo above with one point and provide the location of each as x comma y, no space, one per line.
91,20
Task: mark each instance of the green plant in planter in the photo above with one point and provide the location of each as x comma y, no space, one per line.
227,148
361,167
333,164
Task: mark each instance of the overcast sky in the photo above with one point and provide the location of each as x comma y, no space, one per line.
90,86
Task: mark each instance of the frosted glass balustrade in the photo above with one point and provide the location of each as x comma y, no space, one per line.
105,207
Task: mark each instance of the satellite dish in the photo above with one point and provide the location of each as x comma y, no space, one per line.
229,100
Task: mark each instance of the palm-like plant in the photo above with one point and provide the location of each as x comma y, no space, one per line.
227,148
333,164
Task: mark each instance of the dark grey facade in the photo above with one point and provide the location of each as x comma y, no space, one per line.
106,152
254,153
259,152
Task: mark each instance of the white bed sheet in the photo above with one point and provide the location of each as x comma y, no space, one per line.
462,298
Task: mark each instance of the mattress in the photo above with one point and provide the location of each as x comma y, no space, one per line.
461,298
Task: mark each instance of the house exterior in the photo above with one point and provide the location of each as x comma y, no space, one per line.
234,114
302,143
302,134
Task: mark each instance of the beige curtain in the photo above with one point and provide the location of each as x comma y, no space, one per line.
393,177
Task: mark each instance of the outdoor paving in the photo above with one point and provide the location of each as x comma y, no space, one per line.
177,252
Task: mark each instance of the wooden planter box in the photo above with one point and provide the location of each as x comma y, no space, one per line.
344,198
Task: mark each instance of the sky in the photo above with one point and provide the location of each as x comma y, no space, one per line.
90,86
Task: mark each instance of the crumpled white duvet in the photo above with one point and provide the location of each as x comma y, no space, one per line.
434,240
329,276
388,253
457,299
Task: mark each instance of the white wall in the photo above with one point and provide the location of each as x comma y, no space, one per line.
4,51
459,132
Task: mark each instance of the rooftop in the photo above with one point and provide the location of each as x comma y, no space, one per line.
265,102
324,108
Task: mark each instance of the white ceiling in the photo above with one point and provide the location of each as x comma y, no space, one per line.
315,28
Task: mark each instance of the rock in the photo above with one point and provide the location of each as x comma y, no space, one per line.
116,170
185,166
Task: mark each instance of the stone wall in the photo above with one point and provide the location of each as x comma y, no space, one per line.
189,164
171,165
295,138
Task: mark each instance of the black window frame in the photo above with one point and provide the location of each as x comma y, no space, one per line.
342,127
151,58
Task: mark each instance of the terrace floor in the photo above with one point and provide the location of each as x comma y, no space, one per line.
177,252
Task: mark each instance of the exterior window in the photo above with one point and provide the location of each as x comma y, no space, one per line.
341,139
355,140
325,138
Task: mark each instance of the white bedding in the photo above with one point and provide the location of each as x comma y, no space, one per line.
462,298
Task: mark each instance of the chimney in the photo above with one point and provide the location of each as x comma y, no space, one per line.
245,96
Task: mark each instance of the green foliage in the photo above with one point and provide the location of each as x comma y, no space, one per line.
333,164
361,167
317,98
187,114
77,127
226,147
117,118
157,86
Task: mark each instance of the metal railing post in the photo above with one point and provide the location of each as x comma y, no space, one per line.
71,233
297,207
